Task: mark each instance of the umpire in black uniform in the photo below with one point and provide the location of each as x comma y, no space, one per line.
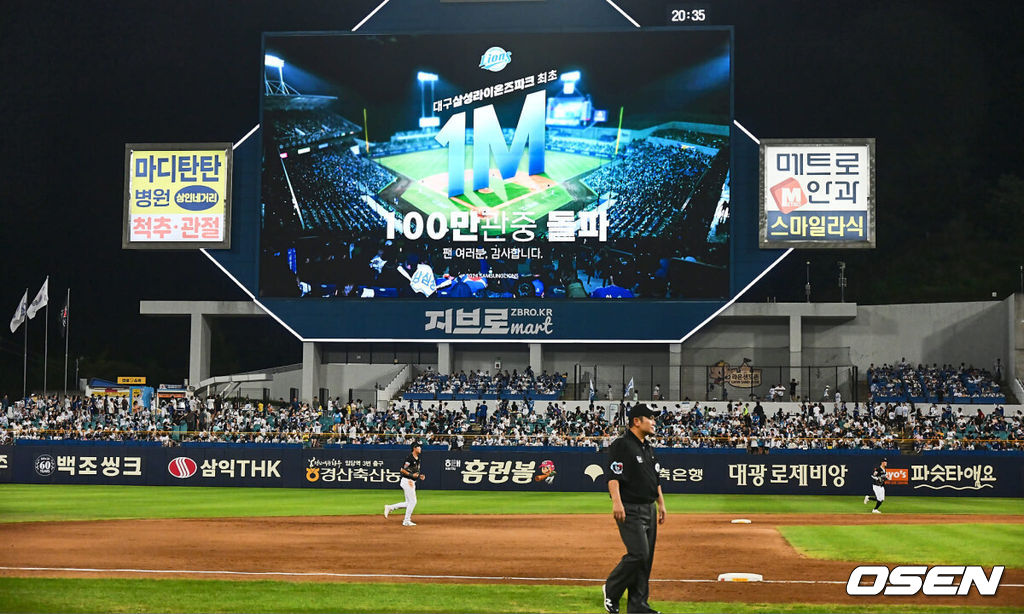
633,486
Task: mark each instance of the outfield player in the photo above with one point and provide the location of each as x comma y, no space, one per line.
633,483
410,474
878,486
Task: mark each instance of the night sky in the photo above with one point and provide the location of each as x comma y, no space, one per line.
938,83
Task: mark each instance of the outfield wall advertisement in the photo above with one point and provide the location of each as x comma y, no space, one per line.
978,474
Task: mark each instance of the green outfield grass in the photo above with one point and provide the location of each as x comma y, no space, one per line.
973,543
117,595
919,544
35,502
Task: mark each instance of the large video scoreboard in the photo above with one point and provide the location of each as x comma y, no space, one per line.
556,186
537,166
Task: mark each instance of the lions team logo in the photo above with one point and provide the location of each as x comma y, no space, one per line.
547,472
616,468
495,59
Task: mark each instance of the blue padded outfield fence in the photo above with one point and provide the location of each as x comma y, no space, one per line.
717,471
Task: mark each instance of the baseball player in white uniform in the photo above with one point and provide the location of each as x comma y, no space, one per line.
410,474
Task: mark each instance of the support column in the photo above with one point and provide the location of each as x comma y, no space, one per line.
675,363
199,349
444,358
312,360
796,345
1014,368
536,358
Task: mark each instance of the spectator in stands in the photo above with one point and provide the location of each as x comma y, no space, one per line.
511,423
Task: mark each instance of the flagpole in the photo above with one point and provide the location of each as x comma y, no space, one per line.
46,346
66,321
24,364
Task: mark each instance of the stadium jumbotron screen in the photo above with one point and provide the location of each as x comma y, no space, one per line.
497,166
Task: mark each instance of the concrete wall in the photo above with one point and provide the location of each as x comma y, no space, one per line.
279,385
474,356
974,333
336,378
1015,331
362,379
732,340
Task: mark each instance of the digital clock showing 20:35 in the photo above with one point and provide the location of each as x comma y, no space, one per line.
689,14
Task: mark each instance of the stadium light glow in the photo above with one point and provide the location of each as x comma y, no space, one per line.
569,88
570,77
430,122
426,76
273,61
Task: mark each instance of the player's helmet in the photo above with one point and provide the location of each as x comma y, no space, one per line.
547,466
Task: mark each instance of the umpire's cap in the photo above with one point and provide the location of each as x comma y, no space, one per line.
641,411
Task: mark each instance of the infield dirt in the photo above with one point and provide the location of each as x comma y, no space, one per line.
581,549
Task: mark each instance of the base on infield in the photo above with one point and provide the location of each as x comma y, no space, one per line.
741,521
740,577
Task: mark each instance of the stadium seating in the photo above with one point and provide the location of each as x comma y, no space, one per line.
330,189
306,127
507,422
715,141
648,181
480,385
922,384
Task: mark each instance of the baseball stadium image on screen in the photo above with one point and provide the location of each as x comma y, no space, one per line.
534,166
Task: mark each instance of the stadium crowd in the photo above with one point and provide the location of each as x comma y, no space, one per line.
306,127
330,187
514,384
577,145
331,243
923,384
509,422
694,138
649,181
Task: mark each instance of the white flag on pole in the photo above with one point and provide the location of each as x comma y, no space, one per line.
41,299
19,313
629,386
